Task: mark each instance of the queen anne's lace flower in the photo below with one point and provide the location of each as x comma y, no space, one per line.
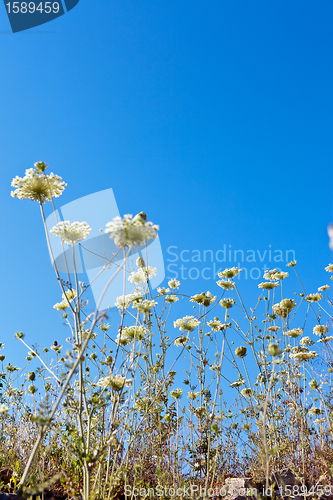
37,186
131,231
283,308
69,295
325,339
306,342
129,333
227,303
174,284
3,409
61,306
226,284
115,382
191,395
171,298
302,353
215,324
268,285
181,341
273,328
313,297
142,275
144,305
320,329
329,268
124,301
203,298
229,273
187,323
71,233
323,288
163,290
246,392
295,332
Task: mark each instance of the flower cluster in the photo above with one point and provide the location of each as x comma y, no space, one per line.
302,353
114,382
37,186
203,298
71,233
283,308
124,301
229,273
295,332
130,333
227,303
187,323
320,329
313,297
226,284
143,274
268,285
131,231
144,306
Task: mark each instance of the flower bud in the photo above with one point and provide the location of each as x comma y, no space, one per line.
19,335
140,262
274,350
32,376
32,389
241,351
2,357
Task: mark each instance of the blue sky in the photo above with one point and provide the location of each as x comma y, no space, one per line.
214,118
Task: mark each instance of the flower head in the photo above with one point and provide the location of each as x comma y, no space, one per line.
320,329
144,305
187,323
176,393
3,409
181,341
329,268
69,295
171,298
131,231
115,382
229,273
283,308
323,288
37,186
226,284
246,392
295,332
313,297
227,303
129,333
174,284
306,342
203,298
325,339
142,275
124,301
241,351
71,233
268,285
215,324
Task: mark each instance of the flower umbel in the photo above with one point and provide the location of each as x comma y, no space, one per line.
37,186
131,231
71,233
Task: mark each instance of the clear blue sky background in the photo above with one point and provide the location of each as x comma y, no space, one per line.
215,118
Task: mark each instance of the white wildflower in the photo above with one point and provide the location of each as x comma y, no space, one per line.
131,231
3,409
187,323
295,332
115,382
323,288
229,273
313,297
206,299
124,301
142,275
215,324
71,233
61,306
37,186
181,341
174,284
306,342
320,329
268,285
144,305
171,298
226,284
325,339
